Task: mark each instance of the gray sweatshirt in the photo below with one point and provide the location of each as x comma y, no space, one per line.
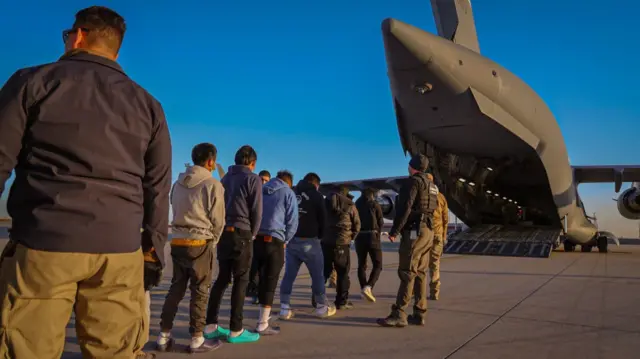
197,200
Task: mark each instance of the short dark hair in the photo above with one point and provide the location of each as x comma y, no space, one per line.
203,152
246,155
105,27
264,173
312,178
369,192
285,176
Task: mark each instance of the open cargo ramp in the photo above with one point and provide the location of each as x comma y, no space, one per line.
499,240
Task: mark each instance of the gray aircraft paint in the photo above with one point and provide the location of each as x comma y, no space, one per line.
468,114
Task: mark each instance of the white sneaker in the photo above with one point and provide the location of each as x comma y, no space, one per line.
164,342
325,311
286,314
368,295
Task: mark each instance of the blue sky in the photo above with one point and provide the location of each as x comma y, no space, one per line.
305,82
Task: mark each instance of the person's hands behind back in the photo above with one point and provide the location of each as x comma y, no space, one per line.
152,270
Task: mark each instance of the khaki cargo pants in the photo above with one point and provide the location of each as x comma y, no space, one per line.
434,265
412,271
39,290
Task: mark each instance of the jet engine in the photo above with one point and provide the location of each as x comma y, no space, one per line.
629,203
388,203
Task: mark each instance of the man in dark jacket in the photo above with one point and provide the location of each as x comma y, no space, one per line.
254,274
92,158
305,248
243,207
417,200
343,225
368,241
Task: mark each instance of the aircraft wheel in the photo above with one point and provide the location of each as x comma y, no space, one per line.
586,248
603,245
569,247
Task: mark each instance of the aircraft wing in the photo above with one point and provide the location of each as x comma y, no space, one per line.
385,183
603,174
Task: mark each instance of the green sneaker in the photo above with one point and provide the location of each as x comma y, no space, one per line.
220,332
245,337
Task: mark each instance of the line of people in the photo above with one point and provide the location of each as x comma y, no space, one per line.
92,154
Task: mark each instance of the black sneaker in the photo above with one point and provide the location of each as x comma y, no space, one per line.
415,319
391,322
207,346
345,306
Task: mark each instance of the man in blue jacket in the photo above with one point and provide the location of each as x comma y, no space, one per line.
279,225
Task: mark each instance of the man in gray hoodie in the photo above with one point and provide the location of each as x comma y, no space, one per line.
198,206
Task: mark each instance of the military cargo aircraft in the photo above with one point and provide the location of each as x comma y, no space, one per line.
495,148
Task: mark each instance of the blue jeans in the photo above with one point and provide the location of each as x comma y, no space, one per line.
309,252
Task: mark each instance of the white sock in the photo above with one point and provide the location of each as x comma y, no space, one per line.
196,342
163,338
210,328
235,334
263,318
285,306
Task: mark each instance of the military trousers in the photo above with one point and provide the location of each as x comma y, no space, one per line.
412,271
39,290
434,264
192,268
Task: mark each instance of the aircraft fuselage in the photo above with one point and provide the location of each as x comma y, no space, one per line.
493,143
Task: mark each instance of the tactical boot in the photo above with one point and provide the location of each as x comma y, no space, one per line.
392,321
415,319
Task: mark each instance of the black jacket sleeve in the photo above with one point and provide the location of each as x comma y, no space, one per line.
13,123
254,201
156,186
379,217
321,212
406,197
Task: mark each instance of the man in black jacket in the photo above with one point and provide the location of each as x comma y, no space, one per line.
254,274
368,241
92,158
343,225
243,210
305,248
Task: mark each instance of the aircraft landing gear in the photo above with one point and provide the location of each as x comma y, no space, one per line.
585,248
603,244
568,246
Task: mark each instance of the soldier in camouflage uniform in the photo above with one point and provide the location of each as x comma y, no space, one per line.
440,224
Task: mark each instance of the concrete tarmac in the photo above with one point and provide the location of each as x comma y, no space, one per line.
578,305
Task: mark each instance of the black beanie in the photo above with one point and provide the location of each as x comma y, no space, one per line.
419,162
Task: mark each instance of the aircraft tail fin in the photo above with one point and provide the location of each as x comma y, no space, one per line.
220,170
454,21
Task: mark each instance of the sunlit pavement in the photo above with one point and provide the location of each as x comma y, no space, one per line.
573,305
